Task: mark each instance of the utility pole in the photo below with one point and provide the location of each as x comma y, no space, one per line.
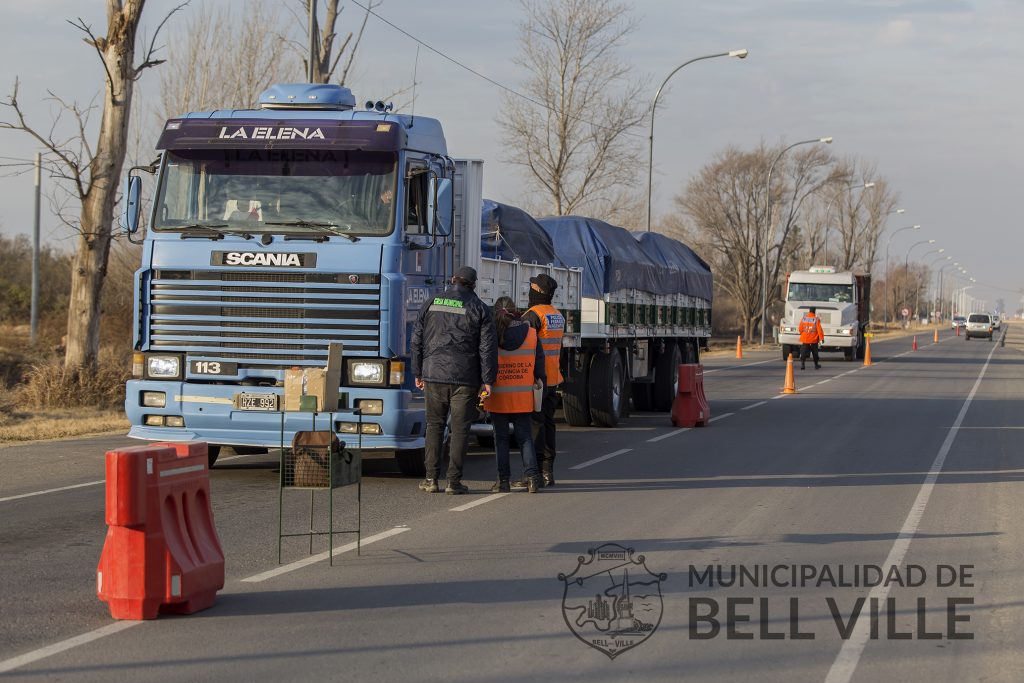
312,41
34,315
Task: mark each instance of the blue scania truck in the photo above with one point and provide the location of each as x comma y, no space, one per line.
276,231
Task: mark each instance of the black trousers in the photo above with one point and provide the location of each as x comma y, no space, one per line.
804,348
458,402
544,430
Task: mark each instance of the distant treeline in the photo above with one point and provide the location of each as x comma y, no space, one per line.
16,280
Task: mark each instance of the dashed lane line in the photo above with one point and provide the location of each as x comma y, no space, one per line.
609,456
668,434
57,648
753,405
320,557
733,367
720,417
478,501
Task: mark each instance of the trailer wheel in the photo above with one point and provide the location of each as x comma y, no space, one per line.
411,462
212,451
575,396
627,389
666,378
689,353
606,389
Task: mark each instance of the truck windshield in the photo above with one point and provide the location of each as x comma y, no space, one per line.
816,291
281,191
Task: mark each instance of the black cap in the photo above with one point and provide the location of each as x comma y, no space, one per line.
466,274
545,283
811,309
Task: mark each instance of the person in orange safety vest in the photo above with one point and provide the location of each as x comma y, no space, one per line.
811,335
521,369
550,326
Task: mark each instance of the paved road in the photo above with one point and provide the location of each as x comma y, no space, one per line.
913,462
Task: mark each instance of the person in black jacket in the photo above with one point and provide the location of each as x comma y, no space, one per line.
454,360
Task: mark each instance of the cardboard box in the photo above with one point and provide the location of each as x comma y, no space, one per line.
321,383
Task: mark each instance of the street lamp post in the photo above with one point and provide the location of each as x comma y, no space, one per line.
906,266
917,295
937,299
848,188
739,54
885,312
768,225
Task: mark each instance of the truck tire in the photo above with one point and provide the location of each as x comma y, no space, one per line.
212,451
606,389
786,350
666,378
575,396
850,354
689,352
411,462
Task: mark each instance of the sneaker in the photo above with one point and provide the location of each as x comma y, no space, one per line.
817,367
549,479
429,485
501,486
802,367
455,488
533,484
520,483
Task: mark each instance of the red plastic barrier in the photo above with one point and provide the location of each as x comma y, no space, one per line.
690,407
161,553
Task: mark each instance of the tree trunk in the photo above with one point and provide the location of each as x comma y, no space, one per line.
90,263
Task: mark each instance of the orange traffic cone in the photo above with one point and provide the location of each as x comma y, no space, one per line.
914,347
790,385
739,346
935,339
867,350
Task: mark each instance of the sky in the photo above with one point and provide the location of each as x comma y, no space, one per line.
928,90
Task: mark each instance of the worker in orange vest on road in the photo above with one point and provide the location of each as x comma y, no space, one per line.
520,371
811,335
550,326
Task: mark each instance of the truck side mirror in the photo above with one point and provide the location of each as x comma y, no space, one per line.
131,207
439,208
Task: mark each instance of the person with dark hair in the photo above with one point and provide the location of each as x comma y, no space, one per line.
811,335
520,369
550,326
454,359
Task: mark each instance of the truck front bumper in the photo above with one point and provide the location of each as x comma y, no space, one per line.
832,341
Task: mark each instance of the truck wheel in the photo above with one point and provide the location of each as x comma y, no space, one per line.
606,389
410,462
627,389
786,350
575,396
850,354
689,353
666,378
212,451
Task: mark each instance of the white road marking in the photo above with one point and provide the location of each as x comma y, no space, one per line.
846,661
753,405
320,557
668,434
62,488
745,365
478,501
720,417
57,648
822,381
588,463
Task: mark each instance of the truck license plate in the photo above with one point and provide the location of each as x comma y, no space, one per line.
256,401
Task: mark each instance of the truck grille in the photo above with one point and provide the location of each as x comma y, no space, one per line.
272,321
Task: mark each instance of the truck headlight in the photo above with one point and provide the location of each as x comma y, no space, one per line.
370,406
163,367
788,328
367,372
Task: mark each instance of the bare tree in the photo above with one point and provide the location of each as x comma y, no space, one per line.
726,202
92,169
206,73
572,136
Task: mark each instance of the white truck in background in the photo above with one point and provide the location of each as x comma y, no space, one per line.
842,301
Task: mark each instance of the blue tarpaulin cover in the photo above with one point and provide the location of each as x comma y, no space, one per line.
691,274
612,259
508,232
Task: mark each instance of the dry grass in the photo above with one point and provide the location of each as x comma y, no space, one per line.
58,424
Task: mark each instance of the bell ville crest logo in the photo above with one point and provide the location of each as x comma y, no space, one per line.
612,601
